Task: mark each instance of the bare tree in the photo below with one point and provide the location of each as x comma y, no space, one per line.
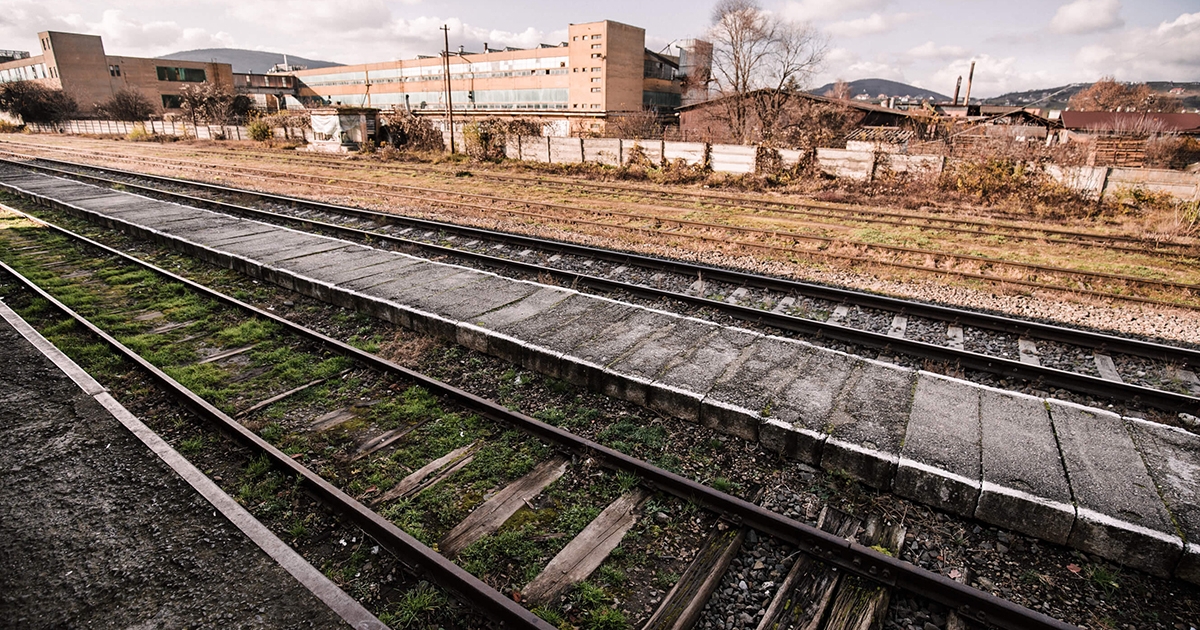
755,52
840,90
127,104
213,104
1106,95
36,103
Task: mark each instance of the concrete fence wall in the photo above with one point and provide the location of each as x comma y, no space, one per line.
1096,181
179,129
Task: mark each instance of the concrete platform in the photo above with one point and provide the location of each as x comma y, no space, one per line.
998,456
106,526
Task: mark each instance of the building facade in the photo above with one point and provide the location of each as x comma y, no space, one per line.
602,70
78,65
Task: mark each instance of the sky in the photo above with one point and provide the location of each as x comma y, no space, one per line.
1017,45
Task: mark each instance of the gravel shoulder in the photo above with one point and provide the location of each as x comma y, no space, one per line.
98,532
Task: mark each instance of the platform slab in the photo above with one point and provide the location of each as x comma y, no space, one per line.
940,461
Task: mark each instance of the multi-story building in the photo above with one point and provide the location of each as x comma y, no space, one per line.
78,65
602,70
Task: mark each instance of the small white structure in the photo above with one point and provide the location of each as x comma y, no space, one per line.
342,129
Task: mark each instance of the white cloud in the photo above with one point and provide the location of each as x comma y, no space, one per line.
150,38
930,50
993,76
807,10
1087,16
873,24
1170,51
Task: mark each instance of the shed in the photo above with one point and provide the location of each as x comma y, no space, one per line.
340,129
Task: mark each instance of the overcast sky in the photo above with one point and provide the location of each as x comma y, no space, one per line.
1018,44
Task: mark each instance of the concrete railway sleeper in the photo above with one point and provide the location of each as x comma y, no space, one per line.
1169,386
769,241
824,548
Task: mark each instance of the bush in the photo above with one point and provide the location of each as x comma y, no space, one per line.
36,103
127,104
259,130
139,134
414,133
487,138
7,127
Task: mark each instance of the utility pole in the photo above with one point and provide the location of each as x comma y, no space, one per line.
449,98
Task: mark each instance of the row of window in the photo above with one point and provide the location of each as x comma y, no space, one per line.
594,69
45,43
585,106
576,38
189,75
25,73
114,71
435,77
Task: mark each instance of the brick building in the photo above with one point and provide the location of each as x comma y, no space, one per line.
78,65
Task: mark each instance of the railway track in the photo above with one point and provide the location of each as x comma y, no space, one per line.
794,207
414,461
1142,374
675,227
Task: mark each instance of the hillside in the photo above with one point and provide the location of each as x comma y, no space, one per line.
1042,97
875,87
252,61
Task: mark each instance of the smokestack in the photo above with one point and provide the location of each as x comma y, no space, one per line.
460,49
957,87
970,78
485,48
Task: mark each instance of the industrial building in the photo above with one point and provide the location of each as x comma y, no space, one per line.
602,70
78,65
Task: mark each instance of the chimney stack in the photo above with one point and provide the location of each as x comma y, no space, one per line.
485,48
970,78
957,87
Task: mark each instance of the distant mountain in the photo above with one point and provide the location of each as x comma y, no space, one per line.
873,88
251,61
1057,97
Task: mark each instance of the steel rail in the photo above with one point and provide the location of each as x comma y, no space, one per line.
759,232
851,557
442,571
1081,383
999,323
863,212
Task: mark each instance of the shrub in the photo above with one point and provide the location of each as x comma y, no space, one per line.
7,127
127,104
414,133
139,134
36,103
487,138
259,130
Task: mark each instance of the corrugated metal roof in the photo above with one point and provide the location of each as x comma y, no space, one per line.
1131,121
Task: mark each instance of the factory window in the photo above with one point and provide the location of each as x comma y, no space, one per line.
189,75
595,79
595,69
114,71
594,46
45,43
596,89
53,72
595,37
575,39
171,101
595,55
595,105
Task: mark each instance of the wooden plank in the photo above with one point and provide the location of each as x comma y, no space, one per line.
861,604
682,605
808,588
278,397
331,419
225,355
488,517
586,551
384,440
412,481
